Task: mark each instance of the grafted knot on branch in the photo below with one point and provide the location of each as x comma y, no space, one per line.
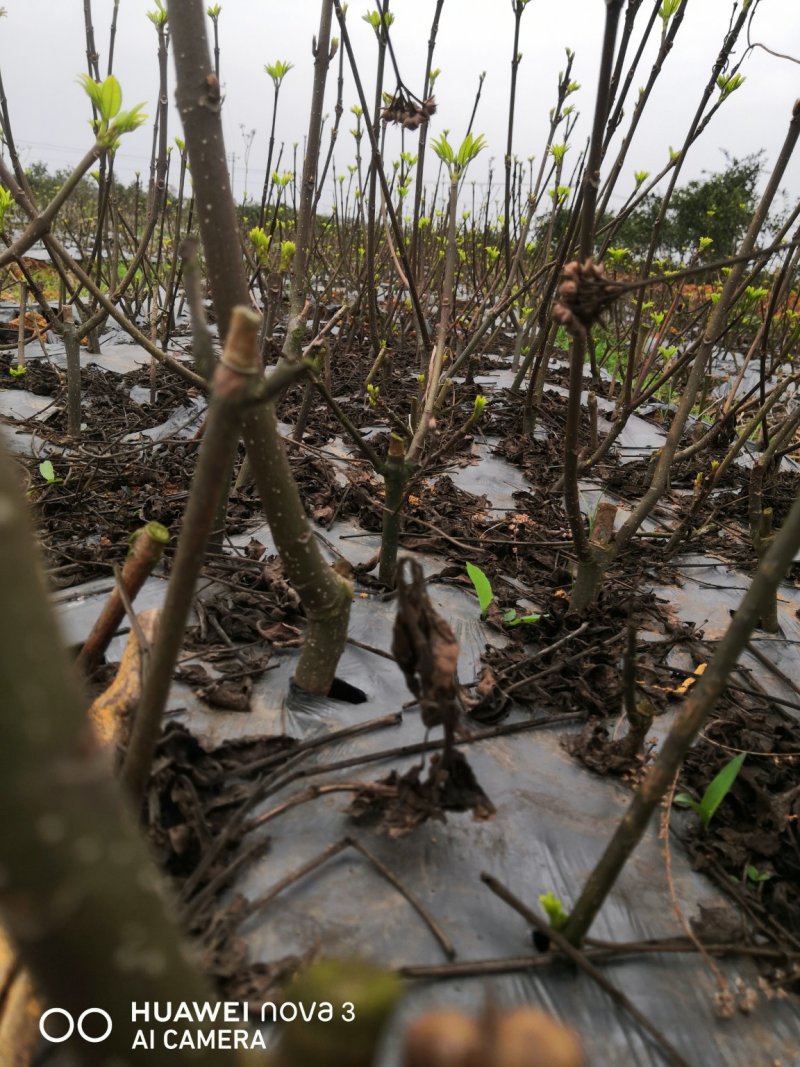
583,295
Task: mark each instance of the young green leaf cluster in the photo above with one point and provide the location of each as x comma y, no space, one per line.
112,122
457,162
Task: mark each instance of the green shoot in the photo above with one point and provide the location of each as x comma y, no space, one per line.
718,788
512,619
47,471
554,909
728,84
457,162
278,71
755,875
483,587
107,99
6,200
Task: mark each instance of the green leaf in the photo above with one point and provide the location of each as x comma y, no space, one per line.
483,587
470,148
287,255
719,787
18,372
443,150
110,98
6,200
47,471
683,800
92,90
510,617
755,875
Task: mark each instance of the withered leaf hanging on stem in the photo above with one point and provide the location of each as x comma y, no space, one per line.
427,653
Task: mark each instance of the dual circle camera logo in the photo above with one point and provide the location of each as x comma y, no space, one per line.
72,1024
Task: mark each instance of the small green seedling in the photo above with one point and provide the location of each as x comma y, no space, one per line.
483,587
17,372
554,909
47,471
510,618
755,875
718,788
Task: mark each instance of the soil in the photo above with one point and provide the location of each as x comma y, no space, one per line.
116,479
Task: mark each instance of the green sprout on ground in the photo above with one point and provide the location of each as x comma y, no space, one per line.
716,791
483,588
47,471
18,372
755,875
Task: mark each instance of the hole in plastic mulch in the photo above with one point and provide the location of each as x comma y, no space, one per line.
350,694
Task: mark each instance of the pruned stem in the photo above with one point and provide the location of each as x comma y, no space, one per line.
146,552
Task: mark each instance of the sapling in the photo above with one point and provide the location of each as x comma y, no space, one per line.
401,462
380,21
518,7
277,71
325,596
593,560
295,327
430,78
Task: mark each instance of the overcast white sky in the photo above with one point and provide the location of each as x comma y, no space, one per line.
42,50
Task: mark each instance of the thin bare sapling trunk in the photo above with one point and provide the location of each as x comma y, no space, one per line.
591,554
398,468
295,330
319,587
421,148
518,7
